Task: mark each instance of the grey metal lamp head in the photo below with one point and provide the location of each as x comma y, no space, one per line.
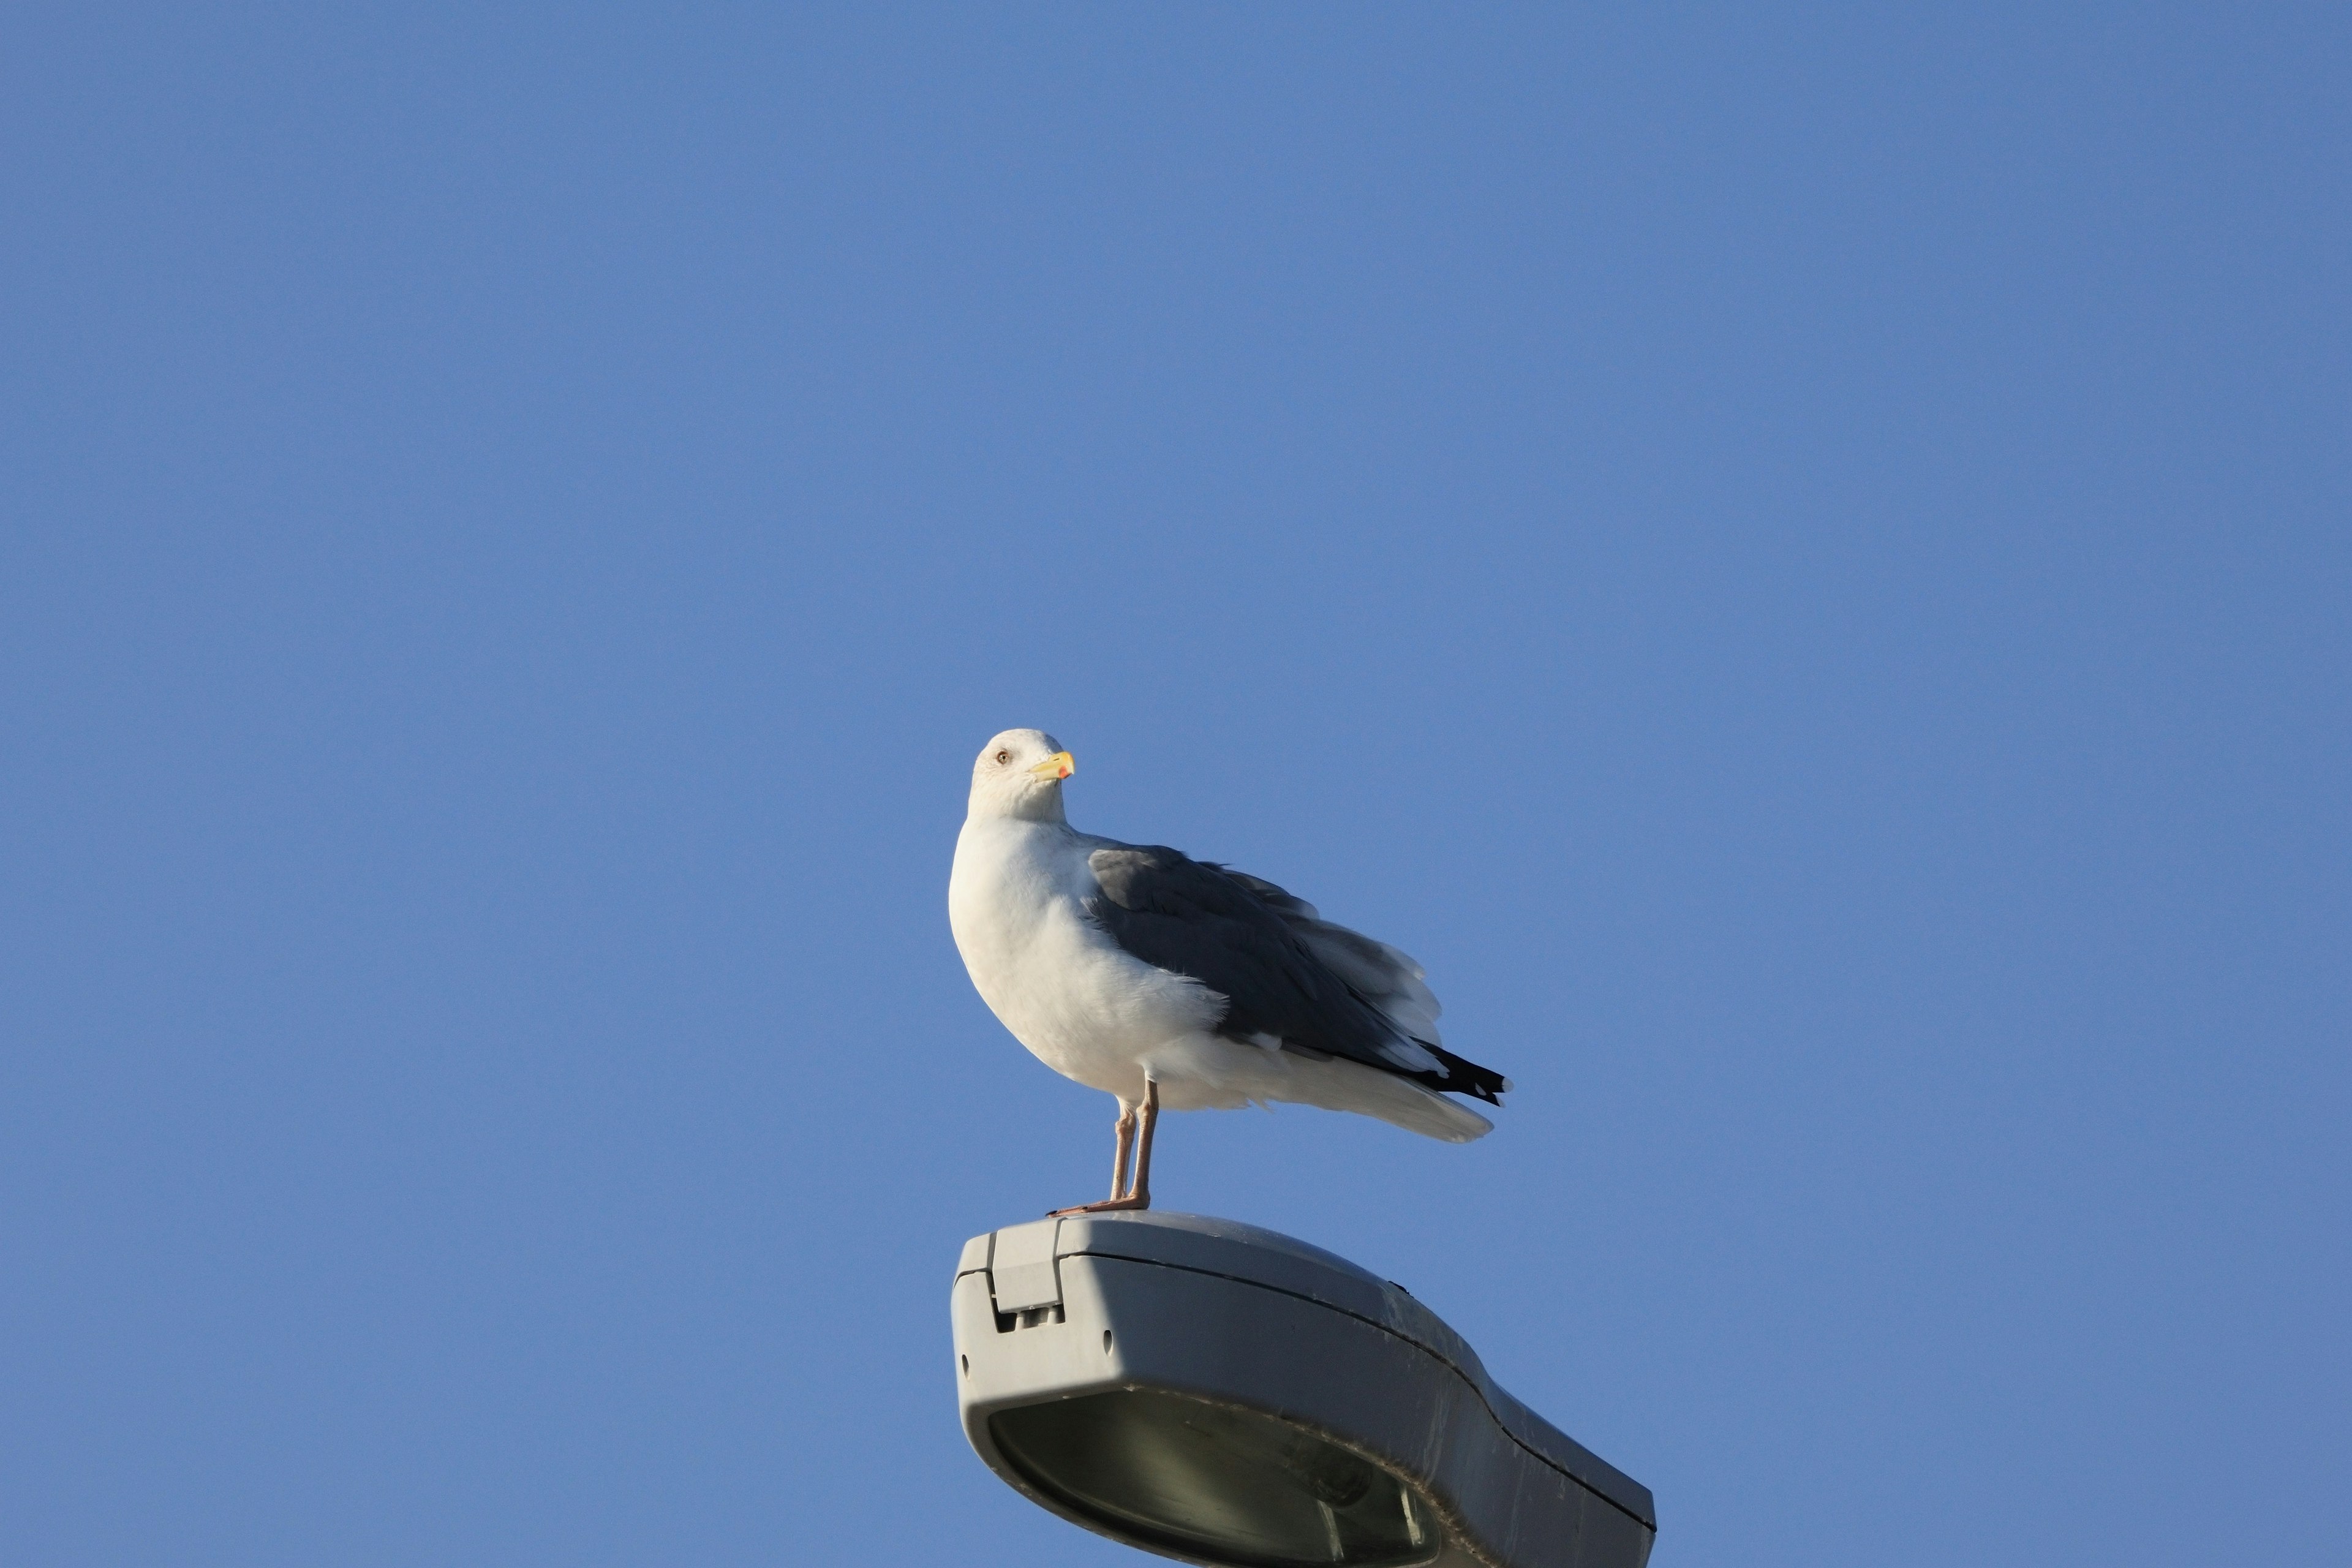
1222,1394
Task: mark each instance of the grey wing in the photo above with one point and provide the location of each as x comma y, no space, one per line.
1288,975
1391,980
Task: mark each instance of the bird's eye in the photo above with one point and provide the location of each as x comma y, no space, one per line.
1003,757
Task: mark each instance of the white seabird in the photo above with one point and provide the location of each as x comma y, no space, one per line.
1163,979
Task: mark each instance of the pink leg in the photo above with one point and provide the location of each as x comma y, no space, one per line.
1141,1191
1125,1129
1131,1124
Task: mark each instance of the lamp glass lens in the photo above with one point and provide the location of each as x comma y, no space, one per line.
1232,1486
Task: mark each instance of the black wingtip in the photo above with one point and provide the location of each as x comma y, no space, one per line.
1465,1077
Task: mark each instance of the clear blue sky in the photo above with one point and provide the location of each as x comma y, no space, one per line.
1798,559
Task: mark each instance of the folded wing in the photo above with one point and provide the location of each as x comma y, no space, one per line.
1292,979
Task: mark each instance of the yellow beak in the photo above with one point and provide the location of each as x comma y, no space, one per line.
1060,765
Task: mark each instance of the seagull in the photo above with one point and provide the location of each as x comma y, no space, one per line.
1169,982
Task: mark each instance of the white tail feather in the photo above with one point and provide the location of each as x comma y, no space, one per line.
1337,1085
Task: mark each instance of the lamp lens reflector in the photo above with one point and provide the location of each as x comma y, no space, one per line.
1209,1481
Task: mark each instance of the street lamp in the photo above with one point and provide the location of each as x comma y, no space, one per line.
1222,1394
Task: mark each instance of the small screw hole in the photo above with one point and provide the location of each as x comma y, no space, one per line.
965,1361
1106,1342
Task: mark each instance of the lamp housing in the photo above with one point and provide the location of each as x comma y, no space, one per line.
1222,1395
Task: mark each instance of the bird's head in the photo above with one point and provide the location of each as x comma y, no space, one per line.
1019,774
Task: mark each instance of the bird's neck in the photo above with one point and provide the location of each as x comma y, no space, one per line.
1045,807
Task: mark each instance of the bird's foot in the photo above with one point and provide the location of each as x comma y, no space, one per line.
1107,1205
